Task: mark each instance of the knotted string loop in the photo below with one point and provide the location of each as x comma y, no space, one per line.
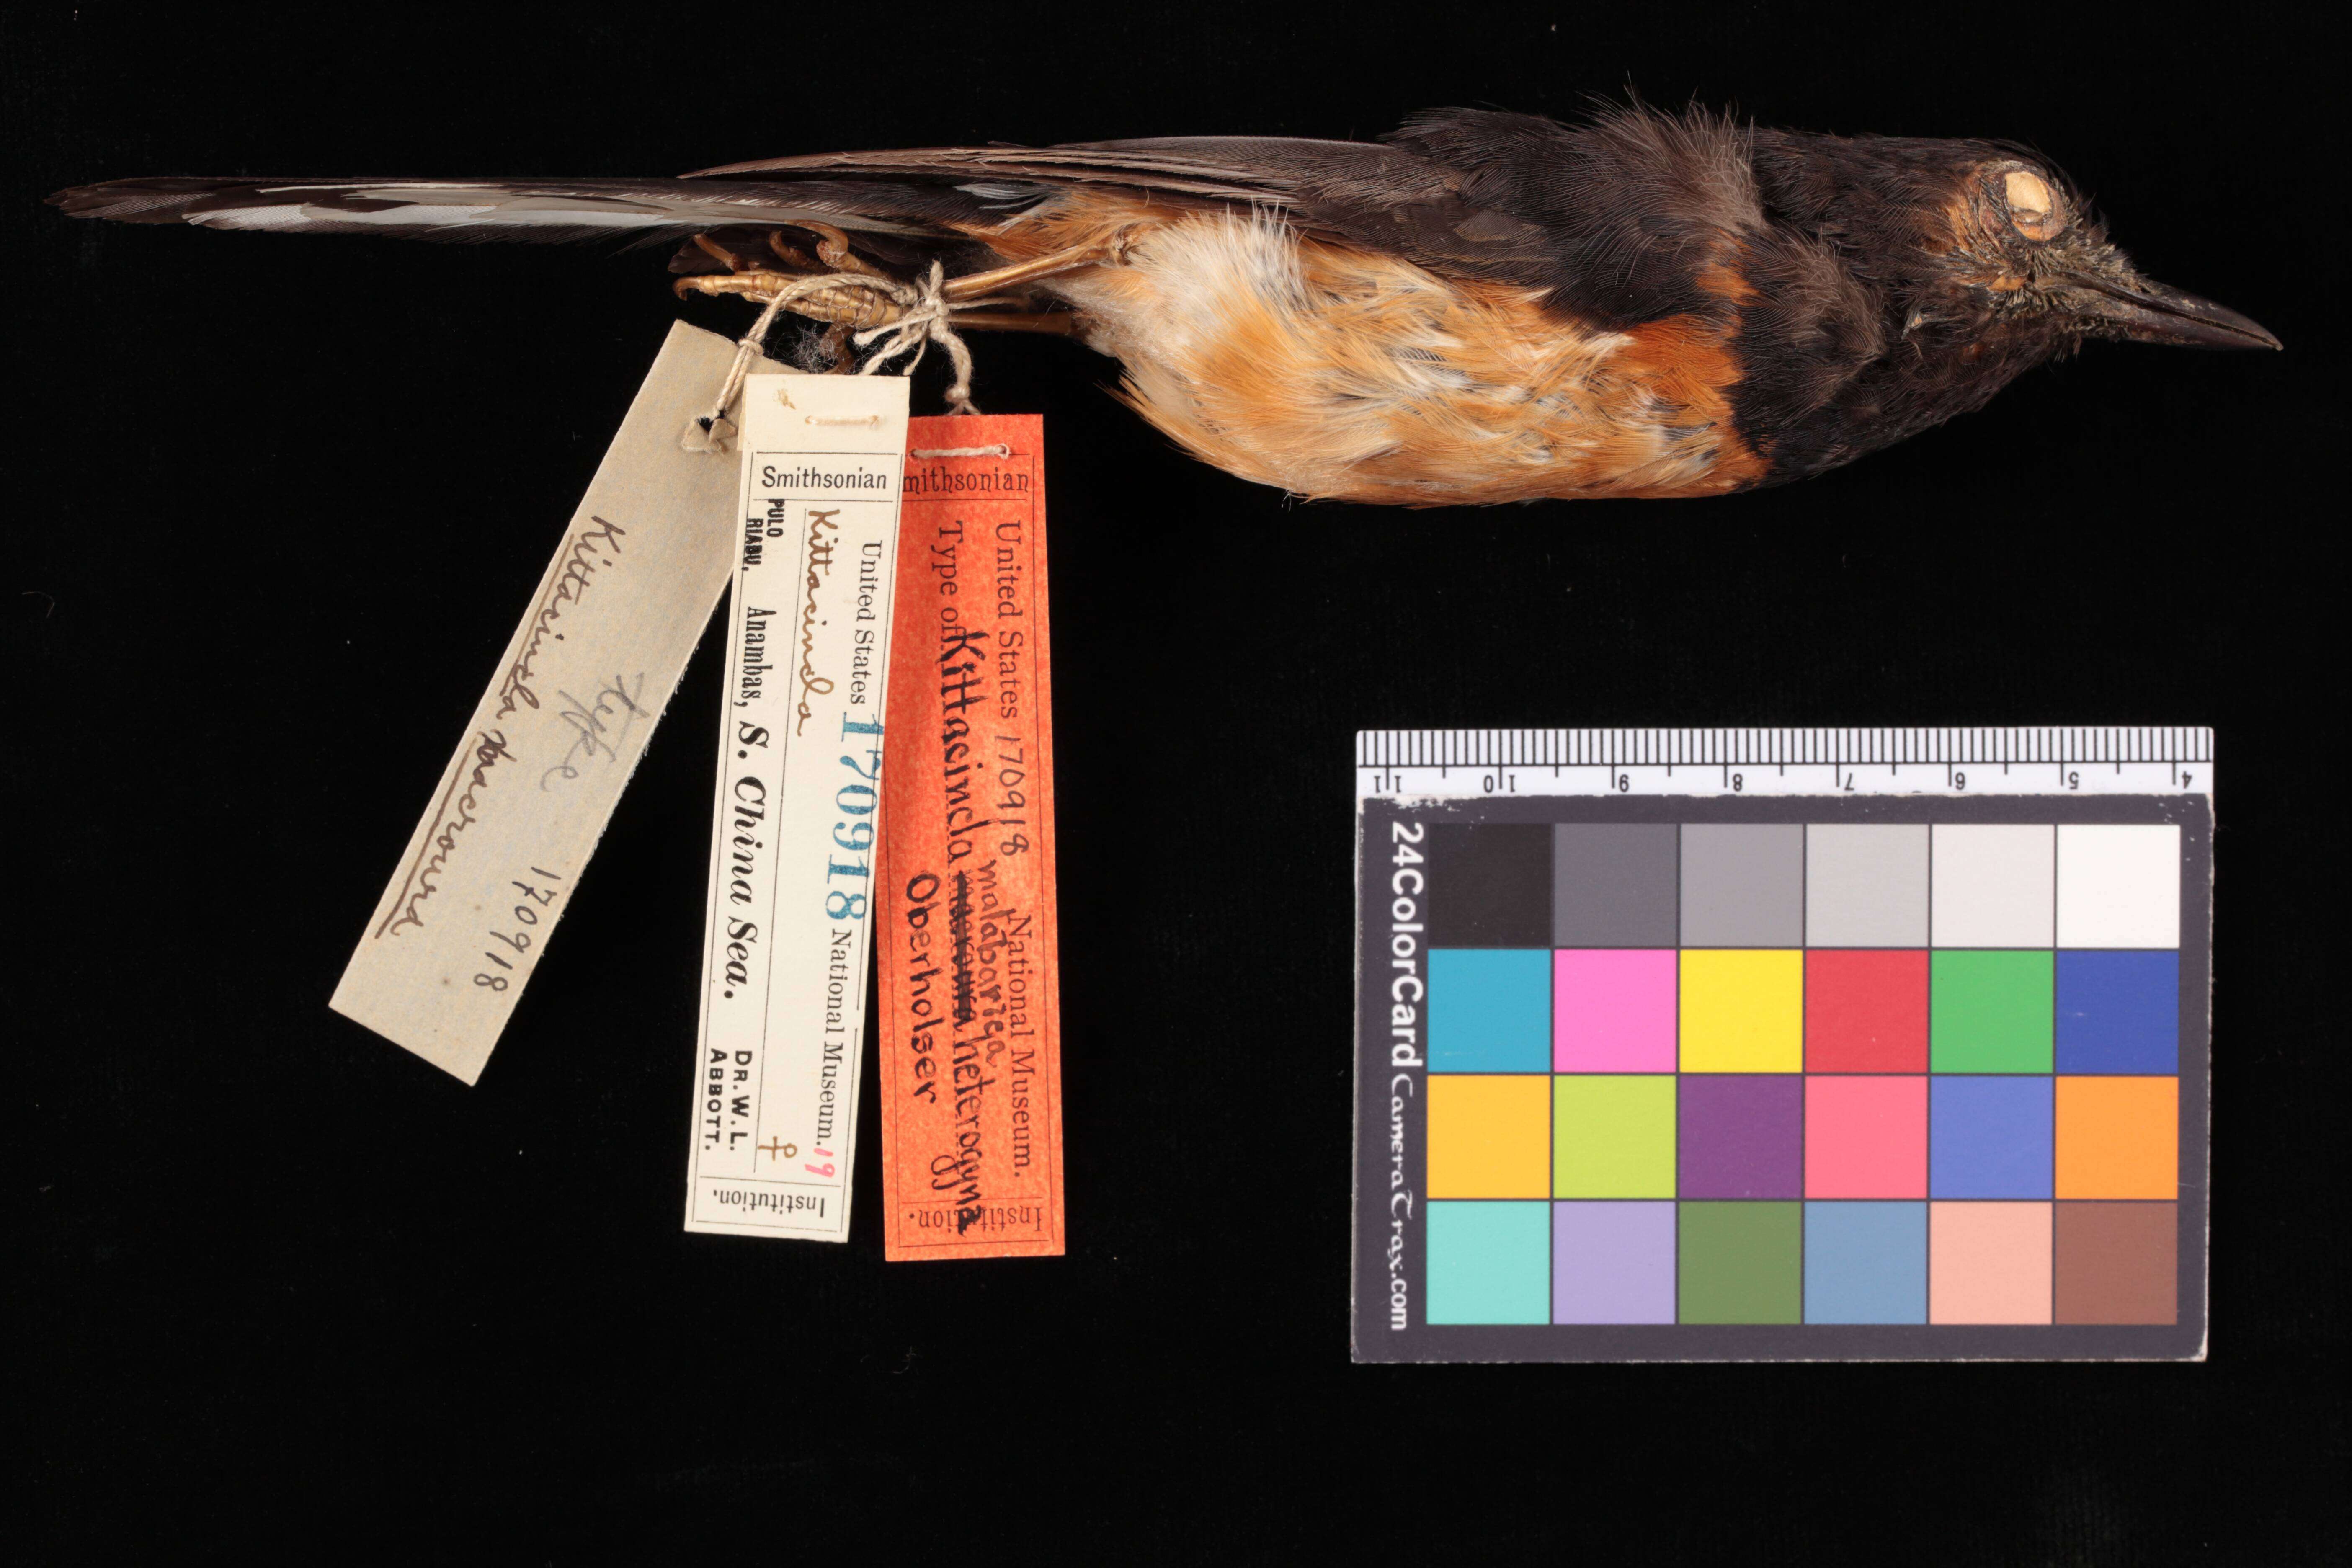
922,320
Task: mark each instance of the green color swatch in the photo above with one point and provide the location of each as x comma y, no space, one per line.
1991,1012
1613,1136
1741,1263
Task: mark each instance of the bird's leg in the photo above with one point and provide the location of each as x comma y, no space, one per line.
834,348
970,288
854,308
971,285
1060,323
834,252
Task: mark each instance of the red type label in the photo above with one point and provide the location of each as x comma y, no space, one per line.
966,942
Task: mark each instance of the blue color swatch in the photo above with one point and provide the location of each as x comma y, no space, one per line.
1866,1263
2119,1012
1489,1263
1989,1137
1490,1010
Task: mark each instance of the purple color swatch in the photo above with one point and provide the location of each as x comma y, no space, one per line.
1740,1136
1613,1263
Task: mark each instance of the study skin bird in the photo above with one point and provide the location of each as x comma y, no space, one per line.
1481,307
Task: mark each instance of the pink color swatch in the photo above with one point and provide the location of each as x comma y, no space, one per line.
1865,1137
1613,1010
1988,1263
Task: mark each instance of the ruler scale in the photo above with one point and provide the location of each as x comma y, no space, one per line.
2037,760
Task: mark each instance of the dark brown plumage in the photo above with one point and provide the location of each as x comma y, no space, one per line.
1482,307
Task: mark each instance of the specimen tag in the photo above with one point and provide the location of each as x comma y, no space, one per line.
971,1118
517,812
799,806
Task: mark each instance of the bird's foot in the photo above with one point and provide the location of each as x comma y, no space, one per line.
850,305
844,304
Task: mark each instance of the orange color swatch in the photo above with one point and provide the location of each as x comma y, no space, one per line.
1490,1135
966,940
2118,1138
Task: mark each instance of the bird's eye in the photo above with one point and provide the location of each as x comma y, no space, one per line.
2032,205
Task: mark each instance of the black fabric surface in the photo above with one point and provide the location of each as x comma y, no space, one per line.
276,504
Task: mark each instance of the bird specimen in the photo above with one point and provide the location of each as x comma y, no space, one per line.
1481,307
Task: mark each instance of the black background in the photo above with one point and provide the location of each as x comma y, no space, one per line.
276,504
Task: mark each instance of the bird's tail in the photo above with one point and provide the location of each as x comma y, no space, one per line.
547,209
906,209
925,193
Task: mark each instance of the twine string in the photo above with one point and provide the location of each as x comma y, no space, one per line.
999,450
922,320
924,323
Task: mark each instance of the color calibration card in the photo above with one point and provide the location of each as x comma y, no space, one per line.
1782,1045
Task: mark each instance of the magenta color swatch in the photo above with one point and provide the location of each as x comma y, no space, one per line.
1613,1010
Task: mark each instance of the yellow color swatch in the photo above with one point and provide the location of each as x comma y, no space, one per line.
2118,1138
1489,1136
1743,1010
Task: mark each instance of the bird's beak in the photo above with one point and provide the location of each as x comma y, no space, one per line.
2151,313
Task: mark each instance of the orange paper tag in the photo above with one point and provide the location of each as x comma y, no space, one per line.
972,1080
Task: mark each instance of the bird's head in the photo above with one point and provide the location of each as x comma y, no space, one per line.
2014,246
1921,276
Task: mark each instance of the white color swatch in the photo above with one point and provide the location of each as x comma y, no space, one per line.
1991,886
2118,886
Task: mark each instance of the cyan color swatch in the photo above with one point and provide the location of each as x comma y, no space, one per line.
1489,1263
1989,1137
1490,1009
2119,1012
1867,1263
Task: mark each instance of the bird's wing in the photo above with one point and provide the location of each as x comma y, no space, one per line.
520,209
1632,216
1371,194
1265,169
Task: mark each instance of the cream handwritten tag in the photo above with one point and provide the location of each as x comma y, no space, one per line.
510,828
799,807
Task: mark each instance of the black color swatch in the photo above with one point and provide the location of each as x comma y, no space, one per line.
1490,885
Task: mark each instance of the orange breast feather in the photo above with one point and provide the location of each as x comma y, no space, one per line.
1333,372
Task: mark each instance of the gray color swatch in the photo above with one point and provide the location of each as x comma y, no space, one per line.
1866,885
1613,885
1743,885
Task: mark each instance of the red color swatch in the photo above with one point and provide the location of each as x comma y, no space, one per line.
1866,1011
